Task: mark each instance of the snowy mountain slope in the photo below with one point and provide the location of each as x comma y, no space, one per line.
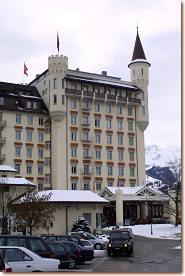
155,156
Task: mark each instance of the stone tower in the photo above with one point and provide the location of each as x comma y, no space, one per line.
58,66
139,68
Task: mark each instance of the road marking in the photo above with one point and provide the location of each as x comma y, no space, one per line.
99,263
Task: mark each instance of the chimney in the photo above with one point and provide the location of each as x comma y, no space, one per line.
104,73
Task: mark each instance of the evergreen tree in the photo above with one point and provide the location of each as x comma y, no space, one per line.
81,224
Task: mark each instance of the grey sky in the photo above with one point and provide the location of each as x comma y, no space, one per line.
99,35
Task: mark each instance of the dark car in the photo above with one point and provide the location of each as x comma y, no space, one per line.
74,252
35,244
87,254
120,240
61,253
78,240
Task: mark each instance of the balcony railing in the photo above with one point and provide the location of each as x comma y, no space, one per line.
134,101
73,92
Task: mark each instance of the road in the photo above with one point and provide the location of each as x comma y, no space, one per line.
150,255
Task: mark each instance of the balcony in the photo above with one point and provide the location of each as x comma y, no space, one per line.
87,94
134,101
121,99
73,92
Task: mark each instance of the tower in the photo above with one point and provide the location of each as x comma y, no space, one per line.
139,68
57,67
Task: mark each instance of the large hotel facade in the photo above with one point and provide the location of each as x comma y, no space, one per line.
74,130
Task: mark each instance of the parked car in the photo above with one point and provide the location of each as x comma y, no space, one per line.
61,253
4,267
120,240
78,240
35,244
22,259
98,243
87,254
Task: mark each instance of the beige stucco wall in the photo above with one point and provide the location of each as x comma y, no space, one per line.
73,212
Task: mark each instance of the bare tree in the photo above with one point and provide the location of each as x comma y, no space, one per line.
33,211
174,190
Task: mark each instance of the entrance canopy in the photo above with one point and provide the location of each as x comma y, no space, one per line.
138,193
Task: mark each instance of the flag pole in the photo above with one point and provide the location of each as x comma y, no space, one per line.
23,76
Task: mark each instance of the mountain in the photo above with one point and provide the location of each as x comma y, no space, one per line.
157,161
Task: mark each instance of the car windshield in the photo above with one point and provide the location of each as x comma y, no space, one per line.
119,235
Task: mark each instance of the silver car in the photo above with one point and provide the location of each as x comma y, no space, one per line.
98,243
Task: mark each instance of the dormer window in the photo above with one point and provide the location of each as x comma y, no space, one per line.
73,86
2,101
29,104
85,88
35,105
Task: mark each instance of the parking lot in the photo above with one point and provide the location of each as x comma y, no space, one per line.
150,255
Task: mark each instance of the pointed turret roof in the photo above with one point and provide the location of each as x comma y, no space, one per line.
138,49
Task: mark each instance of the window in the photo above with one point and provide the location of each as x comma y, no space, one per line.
86,185
132,184
130,126
85,88
40,137
40,187
132,172
47,145
35,105
54,99
54,83
47,178
142,72
73,86
110,170
108,108
29,104
30,120
96,90
119,110
73,136
86,153
109,154
97,138
73,104
129,111
40,153
73,168
108,123
40,121
98,186
109,139
85,136
73,186
18,135
85,105
143,110
63,99
17,151
28,169
118,93
96,107
133,73
110,184
18,119
121,171
120,124
40,170
98,170
62,83
16,255
29,152
17,167
107,91
98,154
48,129
120,155
73,119
121,183
131,155
143,95
47,161
73,152
86,169
131,140
2,101
87,217
97,122
120,139
85,121
29,136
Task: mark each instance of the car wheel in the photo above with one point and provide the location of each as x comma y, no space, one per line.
98,246
109,253
73,263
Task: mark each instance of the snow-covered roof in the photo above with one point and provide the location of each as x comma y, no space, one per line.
126,190
73,196
4,168
139,60
15,181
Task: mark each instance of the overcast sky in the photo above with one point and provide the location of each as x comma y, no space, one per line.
98,35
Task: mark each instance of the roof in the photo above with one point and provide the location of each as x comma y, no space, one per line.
4,168
73,196
15,181
138,49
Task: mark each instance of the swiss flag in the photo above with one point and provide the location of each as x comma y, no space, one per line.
25,69
58,43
